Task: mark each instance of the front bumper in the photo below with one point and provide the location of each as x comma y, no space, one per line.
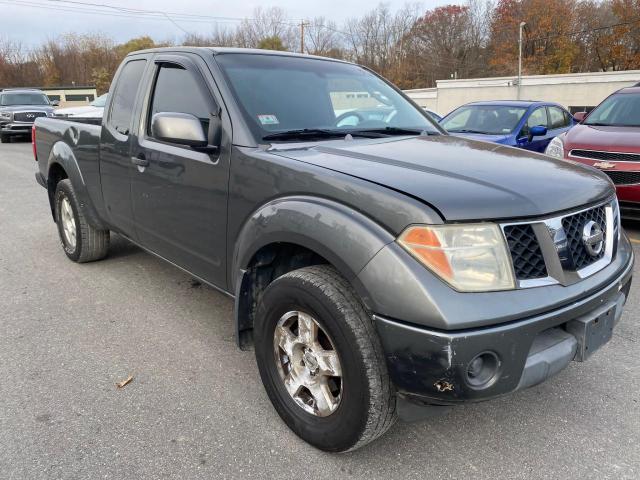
430,366
16,128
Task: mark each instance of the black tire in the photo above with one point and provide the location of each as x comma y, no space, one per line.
90,243
367,406
5,139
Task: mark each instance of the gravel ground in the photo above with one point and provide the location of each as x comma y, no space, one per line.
196,407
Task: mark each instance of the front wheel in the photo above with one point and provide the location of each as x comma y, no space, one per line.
80,241
5,139
321,361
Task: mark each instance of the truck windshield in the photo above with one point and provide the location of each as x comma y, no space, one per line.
483,119
620,110
9,99
289,97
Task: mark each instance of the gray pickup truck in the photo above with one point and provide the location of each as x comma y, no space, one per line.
380,267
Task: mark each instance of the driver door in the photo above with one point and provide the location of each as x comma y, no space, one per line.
180,194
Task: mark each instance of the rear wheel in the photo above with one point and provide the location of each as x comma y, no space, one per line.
80,241
321,361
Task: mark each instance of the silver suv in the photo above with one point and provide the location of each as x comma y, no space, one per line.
19,107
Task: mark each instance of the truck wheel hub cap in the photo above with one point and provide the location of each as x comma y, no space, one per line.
308,363
68,222
593,238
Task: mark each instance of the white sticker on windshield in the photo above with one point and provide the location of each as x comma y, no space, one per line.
268,119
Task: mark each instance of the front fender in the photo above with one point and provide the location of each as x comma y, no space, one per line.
344,237
61,154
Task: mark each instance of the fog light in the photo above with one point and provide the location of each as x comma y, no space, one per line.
483,369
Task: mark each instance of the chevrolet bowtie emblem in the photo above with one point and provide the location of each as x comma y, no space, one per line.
604,165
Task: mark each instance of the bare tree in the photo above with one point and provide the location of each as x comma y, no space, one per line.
267,23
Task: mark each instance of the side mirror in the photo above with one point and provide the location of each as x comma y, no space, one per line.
579,116
55,103
538,131
180,128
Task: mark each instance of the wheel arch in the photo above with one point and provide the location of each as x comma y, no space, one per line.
62,164
294,232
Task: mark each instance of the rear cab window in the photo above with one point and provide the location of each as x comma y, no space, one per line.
124,96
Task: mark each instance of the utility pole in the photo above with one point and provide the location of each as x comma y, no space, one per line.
522,25
302,25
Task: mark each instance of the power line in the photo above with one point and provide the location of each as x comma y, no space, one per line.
588,30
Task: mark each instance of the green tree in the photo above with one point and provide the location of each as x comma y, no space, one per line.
271,43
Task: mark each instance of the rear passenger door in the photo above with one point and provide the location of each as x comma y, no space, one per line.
115,146
180,196
539,143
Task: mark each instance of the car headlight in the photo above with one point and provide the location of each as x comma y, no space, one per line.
555,148
5,115
469,257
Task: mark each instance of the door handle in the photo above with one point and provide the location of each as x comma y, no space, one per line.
140,160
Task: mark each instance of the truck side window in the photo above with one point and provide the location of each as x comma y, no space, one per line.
124,96
178,91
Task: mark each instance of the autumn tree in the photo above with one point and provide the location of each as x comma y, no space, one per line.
454,37
547,47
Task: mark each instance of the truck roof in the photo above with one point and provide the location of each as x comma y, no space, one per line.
222,50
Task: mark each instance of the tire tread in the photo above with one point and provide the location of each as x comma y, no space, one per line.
382,401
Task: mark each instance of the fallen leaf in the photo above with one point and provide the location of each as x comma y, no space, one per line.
125,382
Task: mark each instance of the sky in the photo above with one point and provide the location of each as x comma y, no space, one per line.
34,21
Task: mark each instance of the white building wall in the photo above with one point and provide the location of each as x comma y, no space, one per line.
570,90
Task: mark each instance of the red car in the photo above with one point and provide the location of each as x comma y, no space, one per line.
608,138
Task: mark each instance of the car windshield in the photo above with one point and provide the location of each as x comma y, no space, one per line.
483,119
306,97
9,99
620,110
100,101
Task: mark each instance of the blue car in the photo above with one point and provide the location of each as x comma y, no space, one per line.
525,124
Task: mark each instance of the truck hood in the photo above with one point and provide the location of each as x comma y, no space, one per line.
462,179
27,108
611,139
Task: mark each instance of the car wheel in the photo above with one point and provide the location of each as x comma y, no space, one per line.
80,241
321,361
5,139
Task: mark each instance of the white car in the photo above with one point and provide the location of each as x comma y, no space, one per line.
94,110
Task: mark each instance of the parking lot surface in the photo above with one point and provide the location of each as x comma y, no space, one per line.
196,407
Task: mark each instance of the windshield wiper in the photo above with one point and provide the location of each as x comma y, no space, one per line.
304,132
598,124
468,130
394,131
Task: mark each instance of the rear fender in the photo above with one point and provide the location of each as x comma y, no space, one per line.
62,155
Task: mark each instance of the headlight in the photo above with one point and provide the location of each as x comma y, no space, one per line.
555,148
469,257
6,115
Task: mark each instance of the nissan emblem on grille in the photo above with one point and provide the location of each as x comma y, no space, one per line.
593,238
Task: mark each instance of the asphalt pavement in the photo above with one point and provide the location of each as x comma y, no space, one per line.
196,407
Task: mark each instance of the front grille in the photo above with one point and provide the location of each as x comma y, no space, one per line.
528,262
27,116
620,177
610,156
573,226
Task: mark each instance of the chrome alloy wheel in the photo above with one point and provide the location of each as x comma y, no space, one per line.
68,222
308,363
